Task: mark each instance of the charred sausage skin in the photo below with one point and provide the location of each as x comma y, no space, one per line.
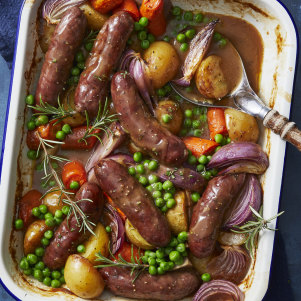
208,213
133,199
173,285
66,40
68,235
145,131
108,47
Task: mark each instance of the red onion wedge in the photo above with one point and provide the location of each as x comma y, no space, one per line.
112,219
251,196
198,49
133,62
240,157
53,10
219,290
232,264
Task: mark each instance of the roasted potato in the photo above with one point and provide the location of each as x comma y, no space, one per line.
46,35
210,79
135,237
97,243
163,63
54,200
174,111
77,118
33,236
241,126
200,264
95,19
177,216
82,278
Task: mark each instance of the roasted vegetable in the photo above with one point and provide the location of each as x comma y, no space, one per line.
104,6
95,19
216,122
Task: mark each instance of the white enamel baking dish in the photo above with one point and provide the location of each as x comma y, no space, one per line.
280,46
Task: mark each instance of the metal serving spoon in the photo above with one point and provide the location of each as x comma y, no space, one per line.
244,99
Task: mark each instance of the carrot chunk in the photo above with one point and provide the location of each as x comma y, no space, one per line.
130,7
199,147
216,122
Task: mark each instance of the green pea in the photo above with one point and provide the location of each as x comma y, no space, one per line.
206,277
153,179
55,275
52,183
164,209
28,272
182,236
57,220
152,261
55,283
143,21
80,249
157,194
159,202
161,92
206,20
108,229
144,259
37,274
47,281
39,167
74,185
89,46
184,47
150,188
132,171
40,265
188,89
207,175
217,36
152,270
145,44
137,157
190,33
143,180
32,259
214,172
75,79
45,241
174,256
166,39
153,165
166,118
140,169
192,160
58,213
198,18
167,250
196,124
188,113
24,265
218,138
60,135
167,196
46,272
167,185
176,11
222,43
197,133
209,158
180,261
32,154
203,118
81,65
188,16
39,251
217,149
160,271
65,210
152,254
43,209
75,71
157,186
66,128
183,132
203,160
48,234
36,211
50,222
181,37
167,89
31,125
181,247
228,140
29,99
173,242
62,280
171,265
160,253
138,26
142,35
151,38
19,224
195,197
41,216
187,122
170,203
79,57
200,167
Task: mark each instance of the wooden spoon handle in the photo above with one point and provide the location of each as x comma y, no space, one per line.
280,125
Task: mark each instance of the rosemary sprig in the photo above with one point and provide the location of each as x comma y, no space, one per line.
136,265
82,219
101,122
252,228
91,36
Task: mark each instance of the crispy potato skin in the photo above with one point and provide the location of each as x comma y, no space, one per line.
53,200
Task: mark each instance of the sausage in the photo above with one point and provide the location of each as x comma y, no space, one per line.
134,201
69,235
108,47
145,131
173,285
208,213
66,39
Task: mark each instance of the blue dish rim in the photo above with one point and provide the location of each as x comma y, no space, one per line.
11,84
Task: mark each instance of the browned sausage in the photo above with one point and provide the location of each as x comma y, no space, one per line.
66,39
174,285
68,235
208,213
106,52
145,130
134,201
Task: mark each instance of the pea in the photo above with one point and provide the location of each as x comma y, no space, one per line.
152,254
50,222
181,37
62,280
36,211
196,124
57,220
173,243
157,194
108,229
75,71
214,172
140,169
151,38
80,249
192,160
166,39
31,125
159,202
29,100
60,135
187,122
55,283
37,274
142,35
164,209
79,57
200,167
183,132
43,209
176,11
203,160
207,175
81,65
222,43
39,251
46,272
47,281
144,259
182,236
167,89
228,140
19,224
52,183
195,197
217,36
197,133
75,79
143,21
65,210
209,158
58,213
143,180
32,154
145,44
206,277
137,157
151,261
174,256
206,20
66,128
152,270
198,18
180,261
167,185
218,138
188,89
74,185
217,149
149,188
170,203
153,179
40,265
48,234
45,241
203,118
24,265
55,275
161,92
153,165
188,16
28,272
181,247
160,253
166,118
188,113
32,259
190,33
160,271
89,46
132,171
171,265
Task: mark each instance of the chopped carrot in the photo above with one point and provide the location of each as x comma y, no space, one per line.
199,147
74,171
104,6
129,6
126,252
122,215
154,11
216,122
